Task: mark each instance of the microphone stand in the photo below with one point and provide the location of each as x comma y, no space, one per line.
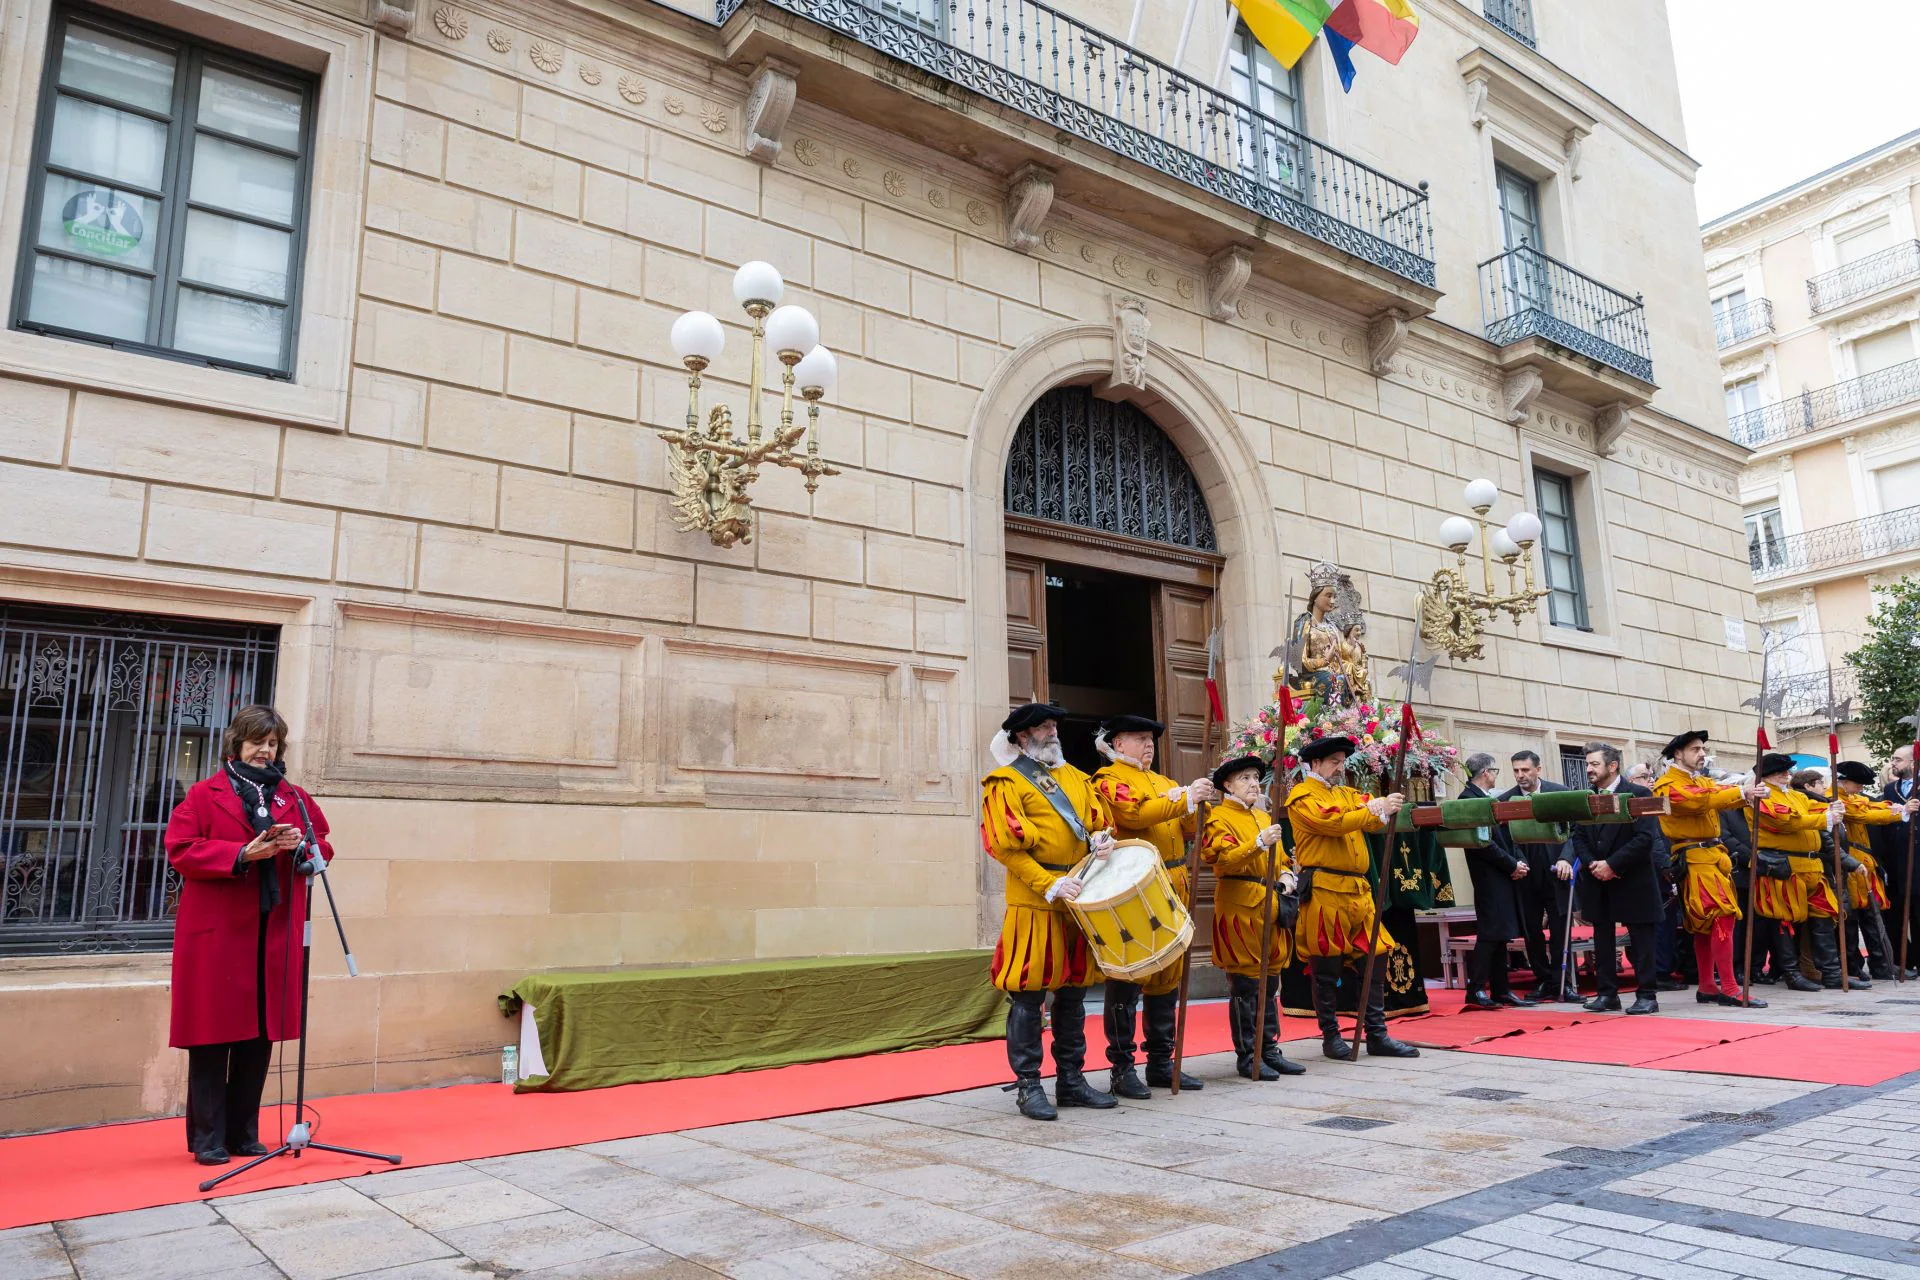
300,1136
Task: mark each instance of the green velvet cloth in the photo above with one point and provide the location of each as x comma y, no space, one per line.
636,1025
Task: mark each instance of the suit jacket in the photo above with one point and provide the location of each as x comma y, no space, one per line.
1889,844
1634,896
1540,857
1496,909
1737,834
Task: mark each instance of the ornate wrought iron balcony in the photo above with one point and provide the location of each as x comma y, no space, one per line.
1515,17
1869,538
1748,320
1806,696
1526,294
1025,55
1814,410
1870,275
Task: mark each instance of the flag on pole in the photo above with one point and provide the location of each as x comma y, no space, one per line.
1384,28
1213,684
1285,28
1341,49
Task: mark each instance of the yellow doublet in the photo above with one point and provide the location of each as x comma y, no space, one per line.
1865,885
1041,947
1231,847
1692,826
1137,799
1791,822
1330,826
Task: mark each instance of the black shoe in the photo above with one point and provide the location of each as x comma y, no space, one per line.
1126,1084
218,1155
1709,997
1602,1004
1033,1102
1668,984
1248,1067
1479,1000
1337,1047
1281,1062
1796,982
1385,1046
1078,1093
1861,984
1509,1000
1733,1002
1645,1004
247,1148
1160,1076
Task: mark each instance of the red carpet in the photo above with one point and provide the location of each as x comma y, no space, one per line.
1623,1041
1823,1055
1461,1030
108,1168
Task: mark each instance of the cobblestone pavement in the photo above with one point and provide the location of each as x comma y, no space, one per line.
1454,1164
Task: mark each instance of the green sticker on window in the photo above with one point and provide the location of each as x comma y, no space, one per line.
102,222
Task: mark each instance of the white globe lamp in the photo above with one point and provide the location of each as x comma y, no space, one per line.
1456,532
1482,494
698,339
758,285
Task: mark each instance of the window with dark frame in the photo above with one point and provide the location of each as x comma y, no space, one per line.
1560,551
167,204
1256,80
1766,540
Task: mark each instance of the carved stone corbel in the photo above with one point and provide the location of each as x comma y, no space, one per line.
1477,103
1029,197
1520,389
1576,139
1227,274
768,106
1609,425
1386,334
393,17
1129,348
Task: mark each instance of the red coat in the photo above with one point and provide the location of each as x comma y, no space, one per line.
216,932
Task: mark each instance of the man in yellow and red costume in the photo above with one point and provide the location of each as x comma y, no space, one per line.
1039,818
1152,807
1330,823
1692,828
1866,888
1239,839
1791,823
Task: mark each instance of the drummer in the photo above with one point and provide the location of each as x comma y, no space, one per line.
1152,807
1236,844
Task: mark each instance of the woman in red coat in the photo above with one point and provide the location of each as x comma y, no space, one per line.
236,938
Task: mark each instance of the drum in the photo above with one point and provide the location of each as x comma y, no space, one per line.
1132,918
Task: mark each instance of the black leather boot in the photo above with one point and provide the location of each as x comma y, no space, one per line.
1873,933
1270,1051
1117,1012
1162,1016
1379,1043
1243,992
1070,1087
1826,955
1326,1004
1786,959
1024,1055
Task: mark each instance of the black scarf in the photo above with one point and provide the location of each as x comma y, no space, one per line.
256,788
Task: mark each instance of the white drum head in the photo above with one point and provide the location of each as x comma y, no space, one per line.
1131,862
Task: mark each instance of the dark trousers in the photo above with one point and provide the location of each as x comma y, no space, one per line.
1536,896
1666,942
1765,941
224,1082
1488,969
1640,950
1558,899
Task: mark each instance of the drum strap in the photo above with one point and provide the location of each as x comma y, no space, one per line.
1040,780
1248,879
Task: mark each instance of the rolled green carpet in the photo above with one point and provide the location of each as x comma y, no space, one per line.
1466,837
1467,813
1527,831
1561,806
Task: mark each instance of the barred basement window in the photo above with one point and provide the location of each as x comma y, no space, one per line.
1104,465
105,721
170,179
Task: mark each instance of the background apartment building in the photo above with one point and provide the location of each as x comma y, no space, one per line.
337,337
1815,292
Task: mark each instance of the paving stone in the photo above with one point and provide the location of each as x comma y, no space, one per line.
380,1185
329,1230
541,1240
908,1228
1523,1234
136,1222
216,1249
1853,1264
830,1262
1649,1243
786,1191
34,1253
1203,1247
1024,1255
719,1237
466,1204
640,1264
1727,1241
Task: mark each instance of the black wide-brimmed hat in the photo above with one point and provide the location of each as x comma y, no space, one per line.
1239,763
1325,747
1031,714
1774,762
1682,741
1854,771
1133,724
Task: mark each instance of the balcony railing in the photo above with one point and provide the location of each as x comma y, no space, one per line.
1527,294
1072,77
1854,542
1515,17
1748,320
1805,697
1815,410
1870,275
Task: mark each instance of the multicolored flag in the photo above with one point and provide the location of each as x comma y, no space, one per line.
1214,708
1285,28
1341,49
1384,28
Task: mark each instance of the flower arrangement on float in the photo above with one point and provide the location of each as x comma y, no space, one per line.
1374,728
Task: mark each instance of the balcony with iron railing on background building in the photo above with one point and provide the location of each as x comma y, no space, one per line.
1836,545
1526,294
1075,79
1806,697
1888,388
1864,278
1738,324
1515,17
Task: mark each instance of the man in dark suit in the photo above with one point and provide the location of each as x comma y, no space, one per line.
1497,872
1889,845
1545,893
1619,885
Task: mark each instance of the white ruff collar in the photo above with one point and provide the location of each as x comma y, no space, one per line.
1002,749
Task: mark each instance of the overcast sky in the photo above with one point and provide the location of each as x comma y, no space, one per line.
1774,91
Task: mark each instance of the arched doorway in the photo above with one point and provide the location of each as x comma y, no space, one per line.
1112,564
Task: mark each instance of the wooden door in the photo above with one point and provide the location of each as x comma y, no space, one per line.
1183,617
1026,630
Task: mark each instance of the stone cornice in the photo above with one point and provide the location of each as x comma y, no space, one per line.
1795,201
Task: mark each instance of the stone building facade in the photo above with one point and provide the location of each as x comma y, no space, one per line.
1816,299
415,494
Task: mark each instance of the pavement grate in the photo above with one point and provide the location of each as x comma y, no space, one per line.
1732,1117
1589,1156
1488,1095
1899,1000
1348,1124
1850,1013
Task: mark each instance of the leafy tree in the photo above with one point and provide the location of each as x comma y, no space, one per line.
1889,667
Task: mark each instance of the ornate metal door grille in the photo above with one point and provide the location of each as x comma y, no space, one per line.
1103,465
105,721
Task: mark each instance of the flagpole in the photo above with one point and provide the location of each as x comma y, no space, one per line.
1186,30
1226,46
1133,27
